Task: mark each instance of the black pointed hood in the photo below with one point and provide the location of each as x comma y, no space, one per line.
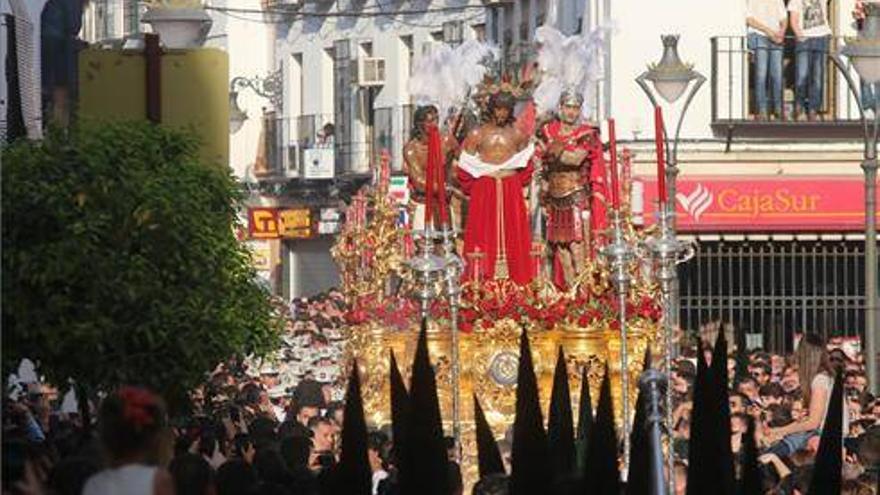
353,475
560,423
488,455
725,470
639,479
531,471
699,479
750,481
602,475
424,463
399,405
827,476
585,420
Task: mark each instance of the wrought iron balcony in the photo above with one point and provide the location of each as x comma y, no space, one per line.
734,106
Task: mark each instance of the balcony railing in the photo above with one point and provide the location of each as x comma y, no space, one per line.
287,139
734,107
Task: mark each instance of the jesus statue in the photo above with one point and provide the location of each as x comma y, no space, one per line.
494,167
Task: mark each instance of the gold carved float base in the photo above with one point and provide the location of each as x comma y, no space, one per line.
488,369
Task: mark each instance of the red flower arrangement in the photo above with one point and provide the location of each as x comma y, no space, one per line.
483,308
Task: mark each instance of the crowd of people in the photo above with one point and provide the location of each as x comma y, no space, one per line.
787,397
274,430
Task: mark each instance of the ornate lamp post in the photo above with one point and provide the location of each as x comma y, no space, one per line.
268,87
671,77
864,53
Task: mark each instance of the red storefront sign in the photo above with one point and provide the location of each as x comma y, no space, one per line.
815,203
263,223
275,223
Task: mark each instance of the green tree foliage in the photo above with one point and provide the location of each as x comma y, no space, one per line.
120,263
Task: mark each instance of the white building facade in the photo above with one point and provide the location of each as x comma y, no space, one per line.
345,67
348,63
20,21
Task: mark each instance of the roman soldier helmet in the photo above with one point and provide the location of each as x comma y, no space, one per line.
571,97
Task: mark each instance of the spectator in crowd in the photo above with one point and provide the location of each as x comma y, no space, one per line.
767,21
131,424
809,21
812,355
192,474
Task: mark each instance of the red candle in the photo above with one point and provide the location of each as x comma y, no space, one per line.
661,164
615,183
441,195
437,162
429,195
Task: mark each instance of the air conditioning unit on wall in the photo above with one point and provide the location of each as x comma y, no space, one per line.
371,71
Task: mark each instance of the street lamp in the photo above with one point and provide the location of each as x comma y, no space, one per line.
671,78
863,52
268,87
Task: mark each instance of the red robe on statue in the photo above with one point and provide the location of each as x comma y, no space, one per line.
498,210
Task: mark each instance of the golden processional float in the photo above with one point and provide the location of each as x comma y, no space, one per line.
391,276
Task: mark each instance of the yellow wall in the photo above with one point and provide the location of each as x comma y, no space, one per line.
195,92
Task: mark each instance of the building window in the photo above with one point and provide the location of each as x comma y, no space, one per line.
408,59
296,81
479,31
383,132
131,16
437,36
366,49
452,32
103,20
342,108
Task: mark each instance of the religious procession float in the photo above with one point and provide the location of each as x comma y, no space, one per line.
516,219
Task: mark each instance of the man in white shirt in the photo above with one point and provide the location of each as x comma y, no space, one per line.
809,21
766,21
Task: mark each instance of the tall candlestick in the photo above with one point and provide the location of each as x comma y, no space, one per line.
661,162
615,183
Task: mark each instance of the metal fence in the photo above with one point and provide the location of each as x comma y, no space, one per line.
733,87
775,288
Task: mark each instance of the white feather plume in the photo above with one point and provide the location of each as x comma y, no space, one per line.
445,77
568,63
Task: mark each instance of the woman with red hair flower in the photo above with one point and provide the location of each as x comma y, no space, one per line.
131,423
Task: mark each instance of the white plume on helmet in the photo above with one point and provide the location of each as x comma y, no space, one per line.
445,77
568,64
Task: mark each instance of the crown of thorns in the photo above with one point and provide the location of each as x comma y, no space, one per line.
505,84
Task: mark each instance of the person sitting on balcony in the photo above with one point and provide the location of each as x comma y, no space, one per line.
809,21
326,135
767,21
